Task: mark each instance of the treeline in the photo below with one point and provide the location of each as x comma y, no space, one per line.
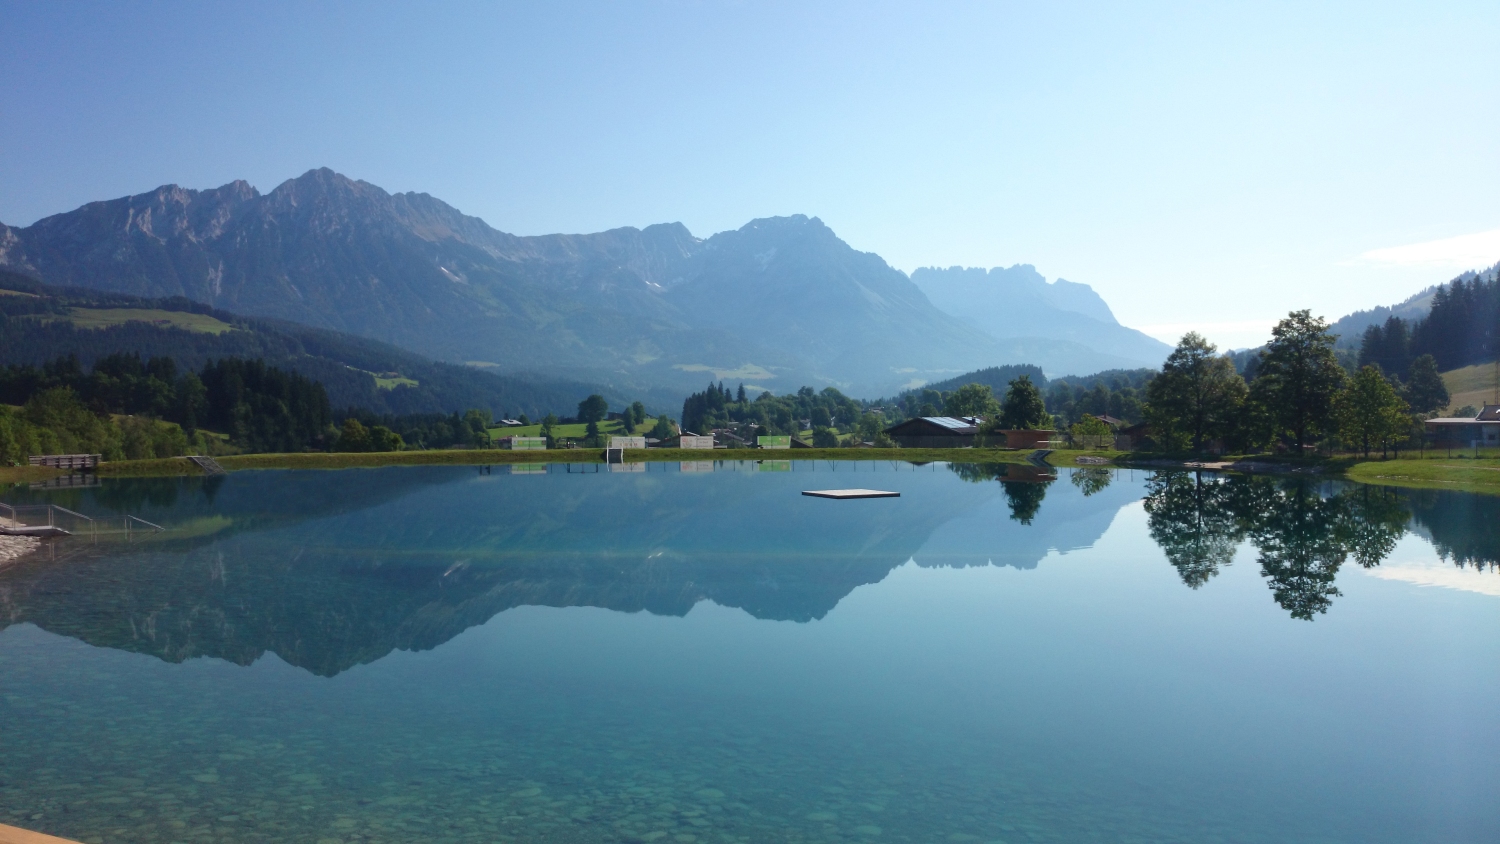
1462,329
1299,396
1120,393
1116,392
828,413
835,419
129,408
38,328
125,407
366,431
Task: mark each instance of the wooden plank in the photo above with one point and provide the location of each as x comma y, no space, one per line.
850,493
16,835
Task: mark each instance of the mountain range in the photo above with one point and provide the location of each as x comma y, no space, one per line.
776,304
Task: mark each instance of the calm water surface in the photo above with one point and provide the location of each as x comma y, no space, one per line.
701,654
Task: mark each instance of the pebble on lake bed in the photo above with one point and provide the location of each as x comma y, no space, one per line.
15,547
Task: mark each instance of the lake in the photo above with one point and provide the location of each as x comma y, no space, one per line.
699,653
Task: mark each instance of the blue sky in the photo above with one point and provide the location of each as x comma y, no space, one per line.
1201,165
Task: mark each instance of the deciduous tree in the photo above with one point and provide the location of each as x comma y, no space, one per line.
1298,377
593,409
1197,397
1024,408
1369,411
972,400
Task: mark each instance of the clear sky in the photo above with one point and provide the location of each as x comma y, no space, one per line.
1202,165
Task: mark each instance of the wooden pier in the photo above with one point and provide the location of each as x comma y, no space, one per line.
73,462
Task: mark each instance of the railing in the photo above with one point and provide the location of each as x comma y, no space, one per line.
76,524
66,461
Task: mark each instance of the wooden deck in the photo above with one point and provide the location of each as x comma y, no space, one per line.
80,462
16,835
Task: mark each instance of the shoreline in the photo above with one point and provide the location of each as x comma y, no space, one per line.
1481,475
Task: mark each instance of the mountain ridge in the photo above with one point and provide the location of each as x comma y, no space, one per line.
781,298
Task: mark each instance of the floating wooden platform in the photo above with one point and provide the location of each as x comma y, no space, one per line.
16,835
850,493
8,529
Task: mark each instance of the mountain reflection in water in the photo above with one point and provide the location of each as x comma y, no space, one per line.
334,569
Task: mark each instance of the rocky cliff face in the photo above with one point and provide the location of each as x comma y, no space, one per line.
779,303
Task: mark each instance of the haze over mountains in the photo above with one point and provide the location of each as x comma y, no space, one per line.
1017,302
776,304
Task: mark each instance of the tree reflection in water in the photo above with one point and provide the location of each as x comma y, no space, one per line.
1024,485
1091,480
1303,530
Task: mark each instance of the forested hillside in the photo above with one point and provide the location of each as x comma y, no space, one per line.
126,407
39,324
1461,329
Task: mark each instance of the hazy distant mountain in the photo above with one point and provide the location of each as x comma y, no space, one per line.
777,304
1018,302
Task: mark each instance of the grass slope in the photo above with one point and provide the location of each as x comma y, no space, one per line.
1472,385
578,431
105,317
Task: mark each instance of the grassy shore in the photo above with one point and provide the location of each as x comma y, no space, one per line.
1467,475
26,474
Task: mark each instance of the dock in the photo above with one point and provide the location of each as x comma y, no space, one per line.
841,494
50,520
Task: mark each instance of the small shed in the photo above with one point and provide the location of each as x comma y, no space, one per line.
627,442
1132,438
935,432
1029,438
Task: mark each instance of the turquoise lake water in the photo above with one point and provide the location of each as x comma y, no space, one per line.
699,653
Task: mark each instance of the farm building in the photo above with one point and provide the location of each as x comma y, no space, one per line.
1481,430
1034,438
935,432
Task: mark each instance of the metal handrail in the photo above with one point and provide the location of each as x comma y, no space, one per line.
151,525
93,526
